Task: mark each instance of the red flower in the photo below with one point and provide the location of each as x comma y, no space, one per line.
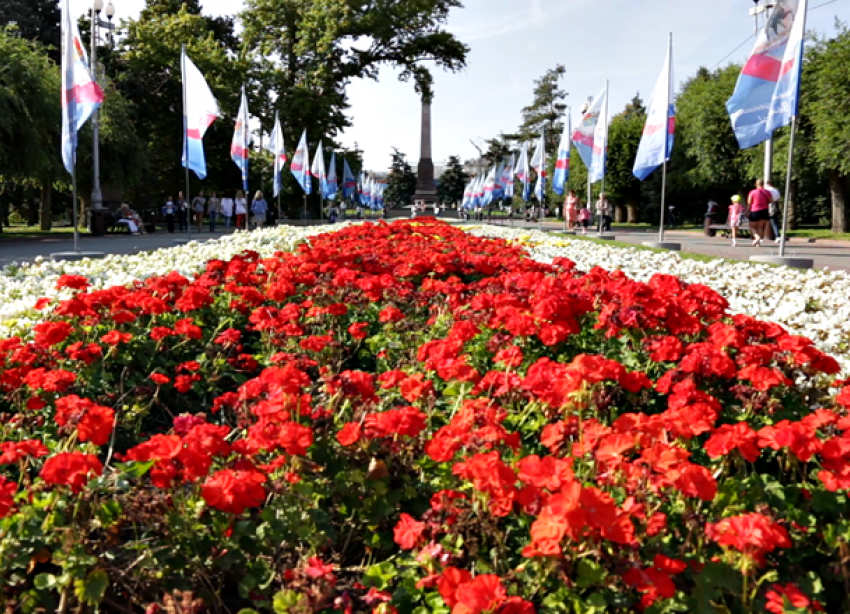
234,491
349,434
753,535
482,594
359,330
390,314
74,282
7,494
510,357
159,379
449,581
408,532
48,334
730,437
789,594
416,386
114,337
187,328
697,481
94,422
71,469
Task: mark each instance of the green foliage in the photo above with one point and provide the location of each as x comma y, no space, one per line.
546,110
624,135
401,183
35,20
452,182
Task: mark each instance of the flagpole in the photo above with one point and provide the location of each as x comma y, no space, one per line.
542,176
187,202
666,134
787,186
605,140
74,204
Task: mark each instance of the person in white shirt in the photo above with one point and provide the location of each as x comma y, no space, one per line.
773,210
241,210
227,210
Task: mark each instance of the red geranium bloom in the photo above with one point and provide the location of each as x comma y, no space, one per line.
482,594
730,437
234,491
780,594
390,314
48,334
359,330
408,532
349,434
74,282
7,494
114,337
71,469
753,535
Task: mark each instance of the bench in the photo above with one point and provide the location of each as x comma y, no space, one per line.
726,230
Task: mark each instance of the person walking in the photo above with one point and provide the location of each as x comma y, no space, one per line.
758,210
584,217
571,206
182,212
709,217
736,213
241,208
603,213
213,209
773,211
227,210
169,210
199,203
259,208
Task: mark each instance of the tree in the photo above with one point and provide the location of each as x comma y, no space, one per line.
35,20
30,121
624,134
546,110
147,70
828,106
452,182
401,182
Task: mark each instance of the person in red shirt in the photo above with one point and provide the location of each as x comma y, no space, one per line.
758,208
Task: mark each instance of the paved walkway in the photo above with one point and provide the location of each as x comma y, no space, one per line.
825,253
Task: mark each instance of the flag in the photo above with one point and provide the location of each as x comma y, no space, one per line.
275,146
508,177
600,142
349,183
487,187
562,164
656,144
522,171
378,195
785,103
241,140
298,166
366,196
766,94
467,194
81,96
499,187
332,181
538,163
317,170
583,135
200,112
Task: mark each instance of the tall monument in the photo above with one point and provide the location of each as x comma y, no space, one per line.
426,191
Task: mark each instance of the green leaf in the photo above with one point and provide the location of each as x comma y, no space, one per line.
380,575
286,600
135,470
247,611
44,581
589,573
93,588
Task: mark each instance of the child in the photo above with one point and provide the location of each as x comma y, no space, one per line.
736,212
584,219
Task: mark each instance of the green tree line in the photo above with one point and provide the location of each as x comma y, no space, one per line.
295,57
706,162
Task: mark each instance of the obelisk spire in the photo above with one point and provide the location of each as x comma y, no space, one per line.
426,191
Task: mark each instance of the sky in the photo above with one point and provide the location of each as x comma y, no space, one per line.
514,42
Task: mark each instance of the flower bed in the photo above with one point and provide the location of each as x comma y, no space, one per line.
409,418
811,303
21,285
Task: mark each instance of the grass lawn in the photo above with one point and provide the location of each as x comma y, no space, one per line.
819,233
19,231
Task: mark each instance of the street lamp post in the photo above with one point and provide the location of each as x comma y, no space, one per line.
96,24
